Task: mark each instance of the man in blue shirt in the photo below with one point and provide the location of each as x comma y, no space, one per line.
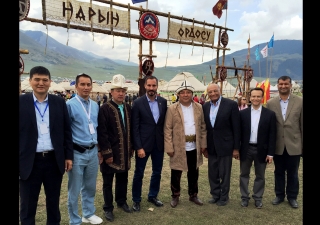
83,113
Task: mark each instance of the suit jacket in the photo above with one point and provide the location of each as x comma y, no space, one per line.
266,137
145,131
114,138
60,133
174,135
290,130
224,137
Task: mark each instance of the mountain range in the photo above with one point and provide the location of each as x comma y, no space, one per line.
64,62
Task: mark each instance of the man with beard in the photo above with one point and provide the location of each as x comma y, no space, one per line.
289,143
147,117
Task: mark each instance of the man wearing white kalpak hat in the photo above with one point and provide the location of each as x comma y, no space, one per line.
185,138
114,127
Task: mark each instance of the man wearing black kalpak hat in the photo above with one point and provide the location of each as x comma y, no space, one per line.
184,140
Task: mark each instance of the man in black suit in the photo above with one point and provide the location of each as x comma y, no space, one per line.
45,147
222,119
147,117
258,143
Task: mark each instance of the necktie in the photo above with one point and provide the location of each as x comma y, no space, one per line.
122,113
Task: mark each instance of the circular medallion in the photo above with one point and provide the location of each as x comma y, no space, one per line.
248,75
21,65
222,73
224,39
24,6
147,67
149,26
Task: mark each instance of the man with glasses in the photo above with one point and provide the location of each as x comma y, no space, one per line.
83,113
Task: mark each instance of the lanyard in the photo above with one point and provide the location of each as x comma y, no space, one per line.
88,114
42,115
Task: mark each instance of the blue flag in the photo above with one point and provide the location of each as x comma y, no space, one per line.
257,53
72,83
270,43
137,1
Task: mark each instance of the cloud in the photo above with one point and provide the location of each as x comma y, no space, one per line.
259,18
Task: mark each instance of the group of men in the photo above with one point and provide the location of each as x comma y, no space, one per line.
78,136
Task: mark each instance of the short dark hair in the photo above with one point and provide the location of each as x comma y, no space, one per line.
257,89
39,70
150,77
284,78
82,75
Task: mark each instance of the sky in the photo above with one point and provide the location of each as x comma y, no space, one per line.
258,18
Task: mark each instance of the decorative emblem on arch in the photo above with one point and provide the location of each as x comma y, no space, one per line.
222,73
248,75
24,6
147,67
224,39
149,26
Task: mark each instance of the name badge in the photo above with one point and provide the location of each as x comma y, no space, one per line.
91,128
43,128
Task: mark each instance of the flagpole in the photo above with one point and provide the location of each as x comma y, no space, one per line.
267,63
147,4
225,22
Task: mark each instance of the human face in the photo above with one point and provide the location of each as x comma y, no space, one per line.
256,98
185,97
118,95
40,84
84,87
284,87
213,91
243,101
151,88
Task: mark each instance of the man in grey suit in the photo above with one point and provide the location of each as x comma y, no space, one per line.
222,119
289,143
258,143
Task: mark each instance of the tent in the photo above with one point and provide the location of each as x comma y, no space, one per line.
66,85
177,80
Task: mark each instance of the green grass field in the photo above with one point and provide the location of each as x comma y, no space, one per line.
187,212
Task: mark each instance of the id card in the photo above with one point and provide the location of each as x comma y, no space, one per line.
91,128
44,128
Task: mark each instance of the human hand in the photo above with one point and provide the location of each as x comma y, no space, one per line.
100,157
269,159
68,164
170,154
235,154
109,160
204,151
141,153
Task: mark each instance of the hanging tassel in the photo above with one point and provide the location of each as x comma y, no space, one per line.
165,66
45,49
129,50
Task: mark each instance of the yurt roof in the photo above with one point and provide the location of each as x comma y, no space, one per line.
177,80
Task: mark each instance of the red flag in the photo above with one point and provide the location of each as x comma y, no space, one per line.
217,9
265,85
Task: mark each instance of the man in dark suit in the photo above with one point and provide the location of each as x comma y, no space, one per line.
45,147
289,142
147,117
258,143
222,119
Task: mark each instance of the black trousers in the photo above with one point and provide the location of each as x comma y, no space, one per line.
286,168
219,173
192,176
120,189
45,171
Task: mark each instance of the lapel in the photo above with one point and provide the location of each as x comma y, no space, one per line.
220,109
146,105
290,105
31,110
52,112
278,108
